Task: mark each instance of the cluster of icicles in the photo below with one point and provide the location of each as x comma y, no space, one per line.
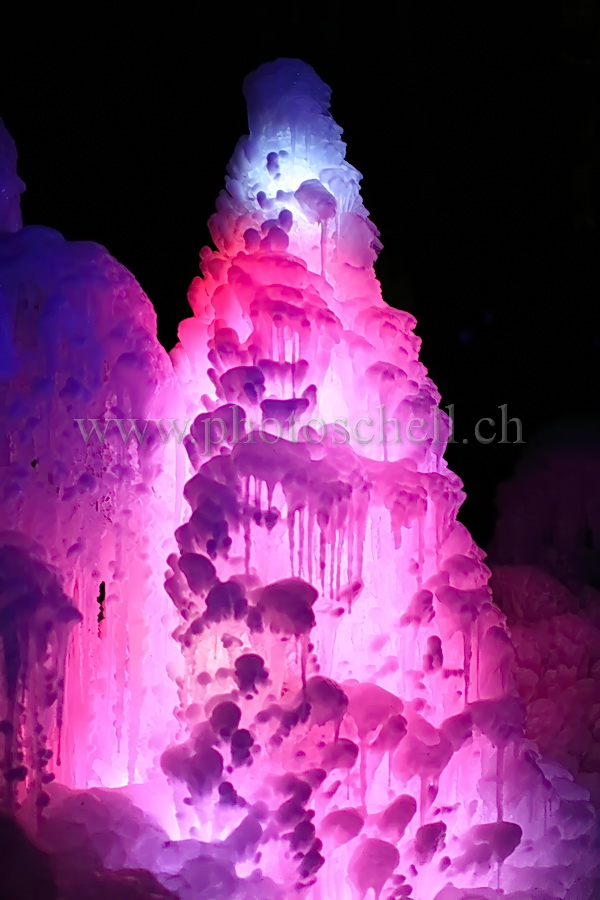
345,719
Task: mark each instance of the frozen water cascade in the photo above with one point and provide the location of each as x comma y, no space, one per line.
346,723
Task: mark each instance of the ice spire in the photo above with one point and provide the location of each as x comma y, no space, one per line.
290,175
352,723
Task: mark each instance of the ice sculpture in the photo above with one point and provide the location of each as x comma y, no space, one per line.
346,723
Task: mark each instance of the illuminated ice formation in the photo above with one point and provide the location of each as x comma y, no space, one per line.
354,729
79,343
346,724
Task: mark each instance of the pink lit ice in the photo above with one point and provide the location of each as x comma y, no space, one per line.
354,729
80,344
346,723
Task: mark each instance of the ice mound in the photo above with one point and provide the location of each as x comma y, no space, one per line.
548,512
545,578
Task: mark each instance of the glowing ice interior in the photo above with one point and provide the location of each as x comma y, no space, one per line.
321,703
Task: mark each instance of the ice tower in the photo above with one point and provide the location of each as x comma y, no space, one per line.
352,725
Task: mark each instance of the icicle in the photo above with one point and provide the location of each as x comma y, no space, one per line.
338,567
310,542
322,557
291,523
301,516
332,558
500,782
247,527
257,492
467,660
304,659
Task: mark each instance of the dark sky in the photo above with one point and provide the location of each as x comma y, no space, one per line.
477,135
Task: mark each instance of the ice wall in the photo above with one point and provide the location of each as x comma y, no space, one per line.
87,515
353,729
